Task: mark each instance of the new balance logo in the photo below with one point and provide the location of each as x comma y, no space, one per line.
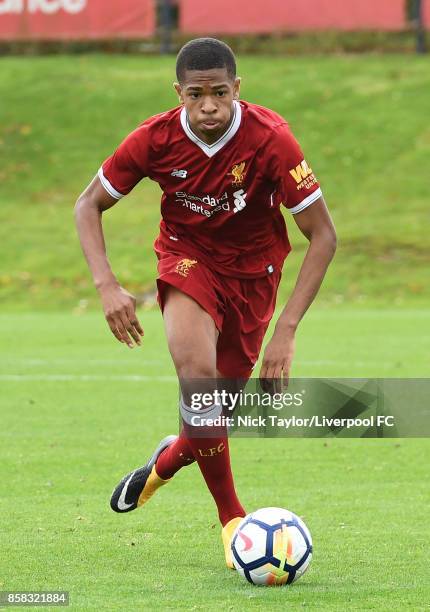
179,173
239,200
300,172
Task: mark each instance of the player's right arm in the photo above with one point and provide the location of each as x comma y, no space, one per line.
119,305
117,176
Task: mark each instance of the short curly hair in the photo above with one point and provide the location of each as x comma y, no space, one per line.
205,54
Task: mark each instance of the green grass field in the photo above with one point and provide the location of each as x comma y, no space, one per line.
361,121
78,410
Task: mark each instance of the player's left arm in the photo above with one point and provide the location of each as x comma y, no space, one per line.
316,225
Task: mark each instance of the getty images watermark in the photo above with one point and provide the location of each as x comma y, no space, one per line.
234,399
377,408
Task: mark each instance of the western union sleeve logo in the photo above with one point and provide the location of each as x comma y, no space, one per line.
303,175
300,172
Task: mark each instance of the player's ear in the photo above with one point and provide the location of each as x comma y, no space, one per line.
236,88
178,90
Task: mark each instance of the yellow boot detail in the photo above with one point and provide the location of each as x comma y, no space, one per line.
227,534
153,483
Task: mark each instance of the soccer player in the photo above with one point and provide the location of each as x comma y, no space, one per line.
225,167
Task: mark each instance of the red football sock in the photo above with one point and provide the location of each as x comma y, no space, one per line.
213,457
174,457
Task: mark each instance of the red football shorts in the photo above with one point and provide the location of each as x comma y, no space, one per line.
241,308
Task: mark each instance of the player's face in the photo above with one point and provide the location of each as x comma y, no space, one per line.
208,98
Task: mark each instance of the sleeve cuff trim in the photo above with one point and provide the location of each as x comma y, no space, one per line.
306,202
109,188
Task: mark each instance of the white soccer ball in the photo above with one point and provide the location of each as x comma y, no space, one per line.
271,546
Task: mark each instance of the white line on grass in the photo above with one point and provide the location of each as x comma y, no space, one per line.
89,362
85,377
72,360
145,378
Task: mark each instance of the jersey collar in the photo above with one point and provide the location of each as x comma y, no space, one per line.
210,150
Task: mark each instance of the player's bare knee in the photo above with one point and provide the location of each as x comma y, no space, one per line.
191,365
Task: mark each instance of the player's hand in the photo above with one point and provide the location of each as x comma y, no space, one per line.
119,307
278,355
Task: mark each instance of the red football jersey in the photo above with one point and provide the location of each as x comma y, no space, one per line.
221,202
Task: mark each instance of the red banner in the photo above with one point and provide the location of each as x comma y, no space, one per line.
240,16
75,19
426,13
